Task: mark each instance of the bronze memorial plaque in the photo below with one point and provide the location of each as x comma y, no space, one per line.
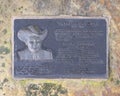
60,47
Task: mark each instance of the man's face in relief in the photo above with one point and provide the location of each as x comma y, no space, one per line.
34,43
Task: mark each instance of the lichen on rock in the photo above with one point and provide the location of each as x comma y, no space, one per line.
4,50
45,89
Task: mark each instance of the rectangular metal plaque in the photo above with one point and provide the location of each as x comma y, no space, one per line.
60,48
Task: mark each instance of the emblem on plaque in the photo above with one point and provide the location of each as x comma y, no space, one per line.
60,48
33,37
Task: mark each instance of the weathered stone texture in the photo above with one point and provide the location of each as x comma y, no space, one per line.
107,8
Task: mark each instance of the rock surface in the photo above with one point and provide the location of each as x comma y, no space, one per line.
72,87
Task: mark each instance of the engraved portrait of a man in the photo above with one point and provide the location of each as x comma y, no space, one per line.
33,38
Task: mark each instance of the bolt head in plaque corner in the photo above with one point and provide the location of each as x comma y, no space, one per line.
60,47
